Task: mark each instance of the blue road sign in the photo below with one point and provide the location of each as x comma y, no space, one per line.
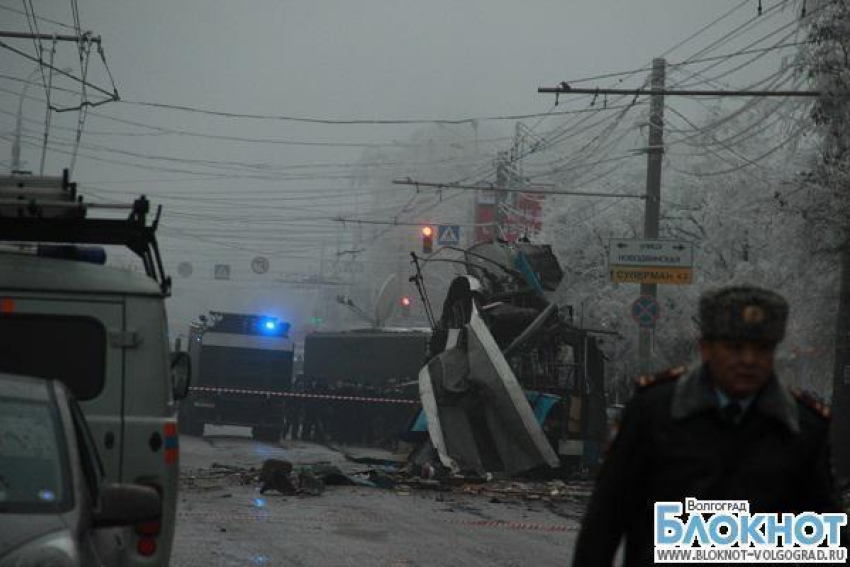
448,234
646,310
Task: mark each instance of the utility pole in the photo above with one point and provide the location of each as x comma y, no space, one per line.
655,155
500,194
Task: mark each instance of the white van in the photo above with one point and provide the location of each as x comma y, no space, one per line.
103,332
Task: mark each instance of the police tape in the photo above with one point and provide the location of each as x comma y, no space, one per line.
268,393
266,517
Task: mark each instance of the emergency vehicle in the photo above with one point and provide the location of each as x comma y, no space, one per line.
100,330
243,366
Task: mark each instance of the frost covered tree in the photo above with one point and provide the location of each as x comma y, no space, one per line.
725,187
828,186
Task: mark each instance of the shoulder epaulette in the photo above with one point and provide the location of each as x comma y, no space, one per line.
813,402
666,376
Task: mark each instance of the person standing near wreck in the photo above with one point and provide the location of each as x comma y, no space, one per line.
727,430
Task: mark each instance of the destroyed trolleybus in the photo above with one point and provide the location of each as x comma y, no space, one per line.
243,367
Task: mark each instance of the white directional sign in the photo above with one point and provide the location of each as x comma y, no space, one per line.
656,253
448,234
650,261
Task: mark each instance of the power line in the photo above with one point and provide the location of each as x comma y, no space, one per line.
704,28
112,96
269,177
537,189
266,167
753,22
742,166
723,57
752,60
347,220
43,19
348,122
699,32
565,88
160,130
682,42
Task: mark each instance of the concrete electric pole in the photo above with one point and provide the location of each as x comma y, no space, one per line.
655,155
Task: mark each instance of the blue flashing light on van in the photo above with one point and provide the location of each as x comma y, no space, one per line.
90,254
272,326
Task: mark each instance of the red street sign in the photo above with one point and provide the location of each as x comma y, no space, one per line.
646,310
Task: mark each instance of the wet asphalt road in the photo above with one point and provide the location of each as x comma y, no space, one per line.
223,522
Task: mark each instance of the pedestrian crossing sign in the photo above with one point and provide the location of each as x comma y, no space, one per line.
448,234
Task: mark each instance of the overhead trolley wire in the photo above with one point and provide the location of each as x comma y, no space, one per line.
340,122
43,19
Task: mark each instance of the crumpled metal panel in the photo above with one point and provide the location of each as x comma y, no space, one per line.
479,418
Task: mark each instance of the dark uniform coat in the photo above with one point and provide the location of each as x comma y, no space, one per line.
673,443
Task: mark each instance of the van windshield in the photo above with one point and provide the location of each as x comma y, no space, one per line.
33,463
70,349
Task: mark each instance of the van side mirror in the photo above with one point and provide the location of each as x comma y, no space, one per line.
126,505
181,374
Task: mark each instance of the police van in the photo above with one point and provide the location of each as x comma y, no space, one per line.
100,330
243,367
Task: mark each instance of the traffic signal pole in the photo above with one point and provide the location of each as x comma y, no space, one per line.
427,240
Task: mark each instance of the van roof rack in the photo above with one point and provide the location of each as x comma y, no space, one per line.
48,209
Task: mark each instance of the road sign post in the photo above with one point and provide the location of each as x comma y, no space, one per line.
448,235
646,310
260,265
651,261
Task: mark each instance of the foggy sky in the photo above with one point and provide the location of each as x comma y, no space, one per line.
371,59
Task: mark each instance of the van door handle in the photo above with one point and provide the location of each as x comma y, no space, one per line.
109,440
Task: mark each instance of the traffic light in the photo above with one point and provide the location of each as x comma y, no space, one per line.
405,305
427,239
405,301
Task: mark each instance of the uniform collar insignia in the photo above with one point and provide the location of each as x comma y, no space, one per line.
694,394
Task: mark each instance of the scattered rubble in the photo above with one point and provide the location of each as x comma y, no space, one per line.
218,476
552,491
313,480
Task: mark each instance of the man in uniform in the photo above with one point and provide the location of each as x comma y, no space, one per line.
726,430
